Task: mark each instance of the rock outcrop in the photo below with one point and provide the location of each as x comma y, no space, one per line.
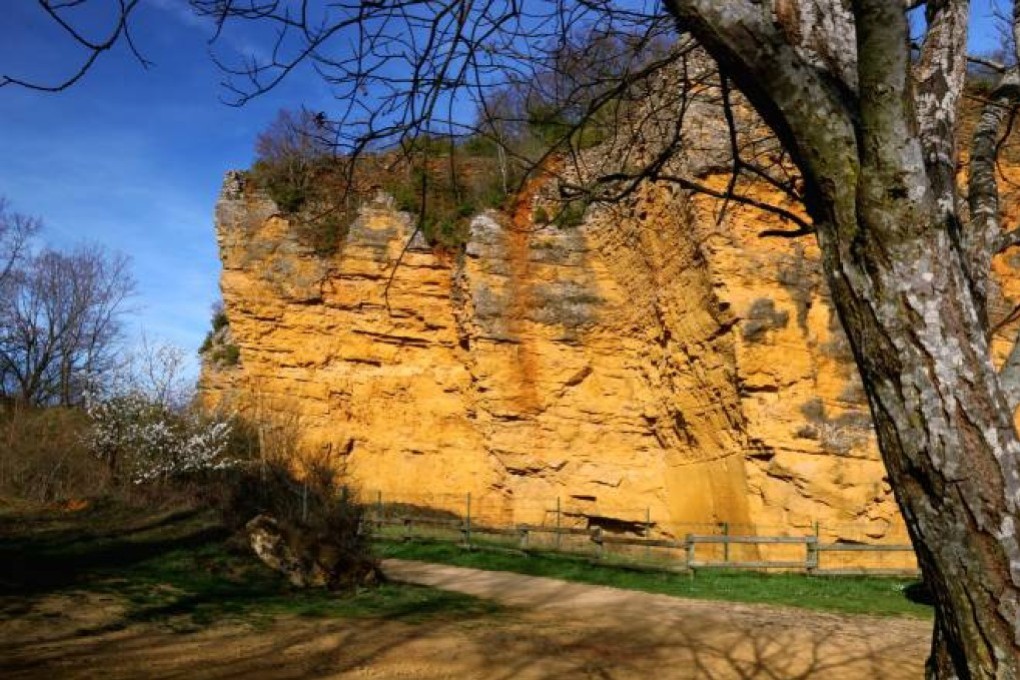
652,363
307,558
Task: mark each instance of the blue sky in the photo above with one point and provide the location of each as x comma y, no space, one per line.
132,159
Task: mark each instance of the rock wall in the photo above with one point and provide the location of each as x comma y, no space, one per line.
654,362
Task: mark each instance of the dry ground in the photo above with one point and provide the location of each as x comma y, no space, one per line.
553,630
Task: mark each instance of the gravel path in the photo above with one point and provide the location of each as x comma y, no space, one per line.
641,634
552,630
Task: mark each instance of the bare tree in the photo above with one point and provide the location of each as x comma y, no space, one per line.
868,119
156,370
16,232
287,152
60,323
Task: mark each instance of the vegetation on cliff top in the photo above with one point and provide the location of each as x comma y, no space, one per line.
323,193
443,181
444,178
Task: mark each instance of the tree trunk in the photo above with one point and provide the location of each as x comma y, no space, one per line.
946,437
940,664
896,267
900,281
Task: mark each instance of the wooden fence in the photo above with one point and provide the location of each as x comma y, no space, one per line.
665,554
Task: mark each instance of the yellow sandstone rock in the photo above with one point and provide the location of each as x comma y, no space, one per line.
647,363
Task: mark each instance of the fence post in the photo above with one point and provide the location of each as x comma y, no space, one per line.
811,561
523,529
813,555
378,510
467,523
596,537
648,533
558,525
726,543
690,552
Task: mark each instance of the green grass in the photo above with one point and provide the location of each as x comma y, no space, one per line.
208,584
175,567
880,596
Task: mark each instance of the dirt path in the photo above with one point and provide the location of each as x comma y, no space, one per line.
638,635
553,630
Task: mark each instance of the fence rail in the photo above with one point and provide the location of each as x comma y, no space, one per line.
645,552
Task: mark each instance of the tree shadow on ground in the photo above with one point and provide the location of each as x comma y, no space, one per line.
504,648
44,553
577,637
101,598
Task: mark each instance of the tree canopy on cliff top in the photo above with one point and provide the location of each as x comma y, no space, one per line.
869,118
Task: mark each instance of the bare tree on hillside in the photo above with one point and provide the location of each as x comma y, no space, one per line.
16,232
60,323
870,121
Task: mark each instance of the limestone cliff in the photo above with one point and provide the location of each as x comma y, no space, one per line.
652,362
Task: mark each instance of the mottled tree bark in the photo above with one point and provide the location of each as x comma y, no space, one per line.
901,267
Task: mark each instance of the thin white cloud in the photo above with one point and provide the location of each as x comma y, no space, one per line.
183,13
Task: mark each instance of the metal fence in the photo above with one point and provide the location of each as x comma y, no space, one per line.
642,542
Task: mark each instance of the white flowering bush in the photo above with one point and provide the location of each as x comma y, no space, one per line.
143,440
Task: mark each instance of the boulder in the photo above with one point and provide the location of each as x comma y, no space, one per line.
306,558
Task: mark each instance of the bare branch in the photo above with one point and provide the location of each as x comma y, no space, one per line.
984,237
810,120
691,185
987,63
93,48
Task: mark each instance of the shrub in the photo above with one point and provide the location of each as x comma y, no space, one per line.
451,193
287,152
446,233
207,343
316,499
44,458
296,168
217,346
325,233
442,180
570,215
228,355
143,441
219,318
316,515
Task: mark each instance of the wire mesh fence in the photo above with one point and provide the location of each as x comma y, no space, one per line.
634,538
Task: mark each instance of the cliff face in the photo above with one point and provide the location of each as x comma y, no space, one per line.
651,362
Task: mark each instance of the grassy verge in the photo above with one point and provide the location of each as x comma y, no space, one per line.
175,567
843,594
